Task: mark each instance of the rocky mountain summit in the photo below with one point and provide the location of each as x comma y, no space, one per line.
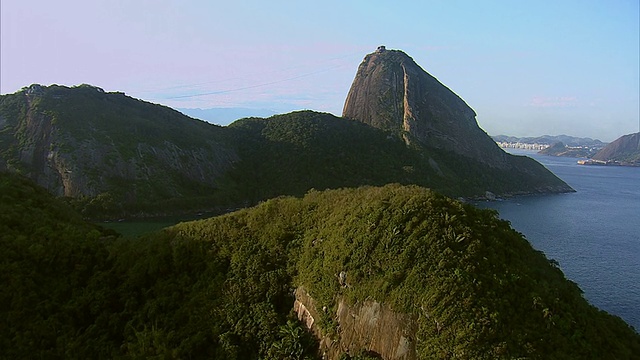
391,92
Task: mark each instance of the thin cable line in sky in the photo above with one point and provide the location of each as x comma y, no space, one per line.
238,78
252,86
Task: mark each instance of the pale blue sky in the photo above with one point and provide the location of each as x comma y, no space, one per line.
526,67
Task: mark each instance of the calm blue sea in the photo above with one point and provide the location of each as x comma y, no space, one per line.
594,233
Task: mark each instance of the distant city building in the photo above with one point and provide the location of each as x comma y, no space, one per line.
519,145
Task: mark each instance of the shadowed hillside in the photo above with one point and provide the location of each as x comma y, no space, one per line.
292,153
114,156
110,152
463,283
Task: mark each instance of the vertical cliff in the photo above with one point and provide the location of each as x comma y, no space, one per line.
369,327
391,92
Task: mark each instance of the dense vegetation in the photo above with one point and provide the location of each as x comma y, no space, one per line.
52,302
71,290
292,153
114,156
222,287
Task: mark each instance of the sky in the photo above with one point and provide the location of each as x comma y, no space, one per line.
527,68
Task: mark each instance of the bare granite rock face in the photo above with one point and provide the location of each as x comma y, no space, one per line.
391,92
369,326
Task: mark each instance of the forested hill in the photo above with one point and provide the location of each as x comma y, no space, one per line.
110,152
625,150
292,153
113,156
52,264
462,282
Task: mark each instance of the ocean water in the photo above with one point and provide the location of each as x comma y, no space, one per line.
593,233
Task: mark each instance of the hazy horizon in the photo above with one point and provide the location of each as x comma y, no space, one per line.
527,69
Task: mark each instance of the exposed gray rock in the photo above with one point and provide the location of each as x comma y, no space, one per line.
369,326
391,92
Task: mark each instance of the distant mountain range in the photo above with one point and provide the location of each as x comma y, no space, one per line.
560,149
549,140
623,151
111,154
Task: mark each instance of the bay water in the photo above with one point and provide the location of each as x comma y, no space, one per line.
593,233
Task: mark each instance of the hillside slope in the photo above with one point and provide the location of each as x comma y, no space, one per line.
292,153
560,149
625,149
110,150
115,156
50,264
444,279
